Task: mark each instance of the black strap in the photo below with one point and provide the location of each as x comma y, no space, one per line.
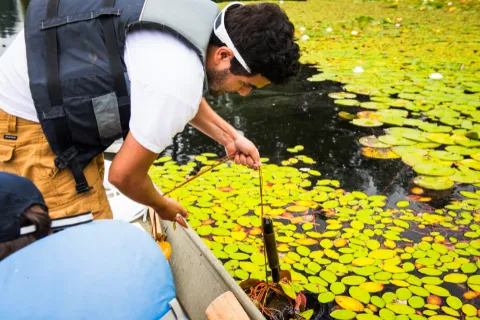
62,141
53,80
114,58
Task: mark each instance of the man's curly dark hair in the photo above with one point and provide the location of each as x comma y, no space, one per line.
264,36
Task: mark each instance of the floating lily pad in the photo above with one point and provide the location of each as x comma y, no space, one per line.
434,183
342,95
365,122
454,302
326,297
349,303
374,105
359,294
347,102
444,155
392,113
343,314
469,310
455,278
395,141
441,138
436,290
372,141
378,153
416,302
400,308
353,280
416,135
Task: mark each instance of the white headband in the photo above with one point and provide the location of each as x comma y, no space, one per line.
221,33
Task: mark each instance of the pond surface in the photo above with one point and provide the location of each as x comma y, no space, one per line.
11,21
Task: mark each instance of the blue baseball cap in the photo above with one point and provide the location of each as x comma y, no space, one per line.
17,194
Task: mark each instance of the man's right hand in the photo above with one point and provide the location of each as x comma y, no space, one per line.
129,173
171,210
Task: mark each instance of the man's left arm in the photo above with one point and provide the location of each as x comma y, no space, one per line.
211,124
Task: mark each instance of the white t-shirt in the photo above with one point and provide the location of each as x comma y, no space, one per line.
166,85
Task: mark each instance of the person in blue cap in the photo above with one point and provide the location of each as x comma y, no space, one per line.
23,214
102,269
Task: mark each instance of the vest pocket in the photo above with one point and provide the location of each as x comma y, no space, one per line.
108,117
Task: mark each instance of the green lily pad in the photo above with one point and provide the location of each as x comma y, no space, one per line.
471,163
455,278
441,138
365,122
419,291
395,121
392,113
434,183
433,169
342,95
395,141
436,290
328,276
242,274
405,150
303,251
343,314
314,287
372,141
249,266
347,102
239,256
359,294
469,268
469,310
460,150
444,155
352,280
374,105
416,302
434,128
454,302
400,308
337,288
326,297
466,142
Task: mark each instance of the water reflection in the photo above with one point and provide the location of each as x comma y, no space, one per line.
11,20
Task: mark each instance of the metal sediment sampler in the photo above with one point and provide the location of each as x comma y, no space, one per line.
271,248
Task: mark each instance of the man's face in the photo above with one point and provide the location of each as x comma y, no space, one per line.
221,80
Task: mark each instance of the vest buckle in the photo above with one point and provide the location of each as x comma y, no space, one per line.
82,187
63,159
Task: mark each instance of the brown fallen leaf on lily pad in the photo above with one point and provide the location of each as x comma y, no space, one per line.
379,153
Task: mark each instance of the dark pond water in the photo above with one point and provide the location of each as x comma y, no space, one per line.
279,117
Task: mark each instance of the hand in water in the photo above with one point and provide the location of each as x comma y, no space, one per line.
244,152
173,211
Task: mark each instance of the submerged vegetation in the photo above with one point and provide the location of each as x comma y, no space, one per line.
417,65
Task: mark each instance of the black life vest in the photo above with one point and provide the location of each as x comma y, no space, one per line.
78,79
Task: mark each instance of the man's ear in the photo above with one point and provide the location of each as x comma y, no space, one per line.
223,53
